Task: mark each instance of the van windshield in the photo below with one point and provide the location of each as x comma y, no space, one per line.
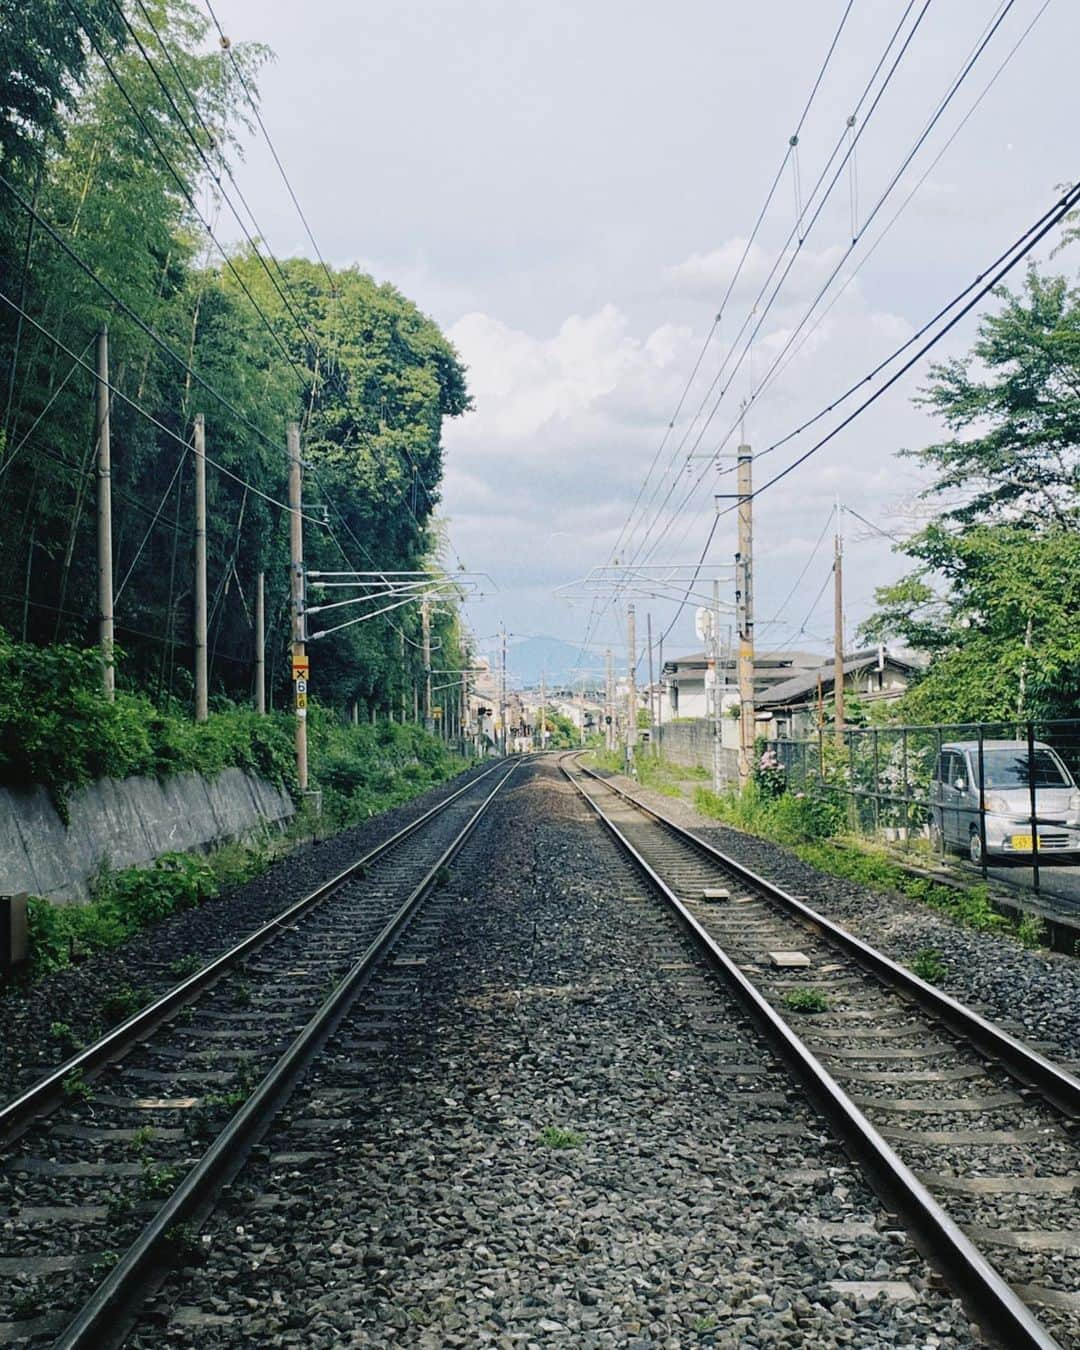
1009,769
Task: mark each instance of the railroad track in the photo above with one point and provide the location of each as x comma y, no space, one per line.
113,1160
965,1132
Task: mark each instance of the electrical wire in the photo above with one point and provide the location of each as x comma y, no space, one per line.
149,417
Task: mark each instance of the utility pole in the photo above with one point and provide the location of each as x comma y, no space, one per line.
104,519
744,596
401,651
838,625
631,690
609,701
425,624
504,730
717,733
202,701
260,643
543,698
652,690
296,587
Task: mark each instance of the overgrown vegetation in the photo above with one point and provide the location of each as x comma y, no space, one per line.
555,1136
929,966
58,730
810,825
806,1001
653,771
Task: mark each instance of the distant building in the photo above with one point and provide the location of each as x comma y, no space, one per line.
873,674
684,680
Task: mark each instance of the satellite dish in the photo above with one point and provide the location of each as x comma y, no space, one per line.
703,624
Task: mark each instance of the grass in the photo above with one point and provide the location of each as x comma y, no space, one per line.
810,826
554,1136
653,771
361,770
929,966
186,965
806,1001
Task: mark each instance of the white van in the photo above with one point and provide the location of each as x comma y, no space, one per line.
1006,798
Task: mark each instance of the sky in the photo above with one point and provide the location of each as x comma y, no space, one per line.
567,188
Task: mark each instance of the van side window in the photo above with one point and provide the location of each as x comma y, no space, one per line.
941,767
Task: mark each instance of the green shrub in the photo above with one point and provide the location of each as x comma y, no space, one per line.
929,966
806,1001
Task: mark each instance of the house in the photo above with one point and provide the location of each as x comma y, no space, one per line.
685,679
873,674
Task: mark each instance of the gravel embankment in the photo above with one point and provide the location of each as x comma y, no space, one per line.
1035,992
74,996
412,1196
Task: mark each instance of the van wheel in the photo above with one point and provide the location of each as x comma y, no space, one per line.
975,848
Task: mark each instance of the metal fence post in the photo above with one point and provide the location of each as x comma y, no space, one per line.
1034,816
853,800
937,761
982,804
877,785
907,787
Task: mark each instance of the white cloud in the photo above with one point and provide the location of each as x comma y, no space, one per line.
706,276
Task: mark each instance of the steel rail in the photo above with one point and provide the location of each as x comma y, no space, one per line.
988,1298
104,1319
47,1093
1033,1070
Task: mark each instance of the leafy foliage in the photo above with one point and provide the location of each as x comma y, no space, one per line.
996,588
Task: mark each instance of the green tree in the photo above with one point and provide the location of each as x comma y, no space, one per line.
995,593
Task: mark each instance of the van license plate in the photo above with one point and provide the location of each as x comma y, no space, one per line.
1022,842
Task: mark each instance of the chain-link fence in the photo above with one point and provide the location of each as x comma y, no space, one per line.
1003,795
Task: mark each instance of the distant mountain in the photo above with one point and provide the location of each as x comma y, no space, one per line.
531,658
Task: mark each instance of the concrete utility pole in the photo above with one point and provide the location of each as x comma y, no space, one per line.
609,701
202,692
631,689
296,588
652,689
401,651
504,730
744,596
104,519
542,719
838,625
425,627
718,710
260,643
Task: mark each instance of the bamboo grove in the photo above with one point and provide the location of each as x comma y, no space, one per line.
120,133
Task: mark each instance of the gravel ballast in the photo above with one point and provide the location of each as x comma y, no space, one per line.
557,1130
73,997
1035,993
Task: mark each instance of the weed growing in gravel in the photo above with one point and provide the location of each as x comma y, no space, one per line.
122,1003
242,994
76,1088
442,877
553,1136
704,1324
120,1205
929,966
1031,931
806,1001
62,1033
103,1264
183,1242
157,1179
142,1139
186,965
29,1302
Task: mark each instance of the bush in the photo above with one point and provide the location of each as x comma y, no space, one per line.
57,729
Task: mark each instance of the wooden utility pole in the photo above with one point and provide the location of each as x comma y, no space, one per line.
260,643
425,626
104,519
541,719
838,626
631,688
202,693
744,596
718,686
296,587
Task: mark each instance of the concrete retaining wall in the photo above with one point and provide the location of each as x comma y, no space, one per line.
124,823
691,744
